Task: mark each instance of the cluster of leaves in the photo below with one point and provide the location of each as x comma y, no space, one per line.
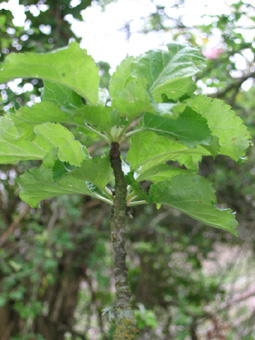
47,25
152,102
226,176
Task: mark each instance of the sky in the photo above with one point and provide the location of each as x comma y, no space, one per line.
108,40
103,31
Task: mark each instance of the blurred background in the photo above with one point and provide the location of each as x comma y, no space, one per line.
189,281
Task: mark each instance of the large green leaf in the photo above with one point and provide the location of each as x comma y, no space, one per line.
51,135
154,73
194,196
128,92
232,134
176,89
70,66
148,150
45,137
161,173
169,71
12,149
190,128
96,170
28,117
60,95
40,183
103,117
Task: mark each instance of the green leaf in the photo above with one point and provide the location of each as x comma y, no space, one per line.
70,66
47,136
148,150
189,128
60,95
38,184
128,92
97,170
58,168
103,117
161,173
233,135
194,196
51,135
28,117
153,74
43,183
176,89
169,71
12,149
136,187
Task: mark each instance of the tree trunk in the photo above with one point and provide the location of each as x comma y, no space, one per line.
126,325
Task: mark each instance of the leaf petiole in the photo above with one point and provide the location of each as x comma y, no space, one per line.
104,199
133,132
132,195
99,134
134,203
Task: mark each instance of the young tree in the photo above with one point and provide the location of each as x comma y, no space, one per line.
152,106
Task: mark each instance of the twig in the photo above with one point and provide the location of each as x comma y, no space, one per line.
13,226
235,85
8,331
245,296
97,146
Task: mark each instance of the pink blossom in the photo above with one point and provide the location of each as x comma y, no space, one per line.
213,53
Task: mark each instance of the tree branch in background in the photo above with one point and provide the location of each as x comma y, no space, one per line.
233,86
13,226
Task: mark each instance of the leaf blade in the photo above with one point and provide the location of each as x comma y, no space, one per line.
40,183
194,196
233,136
60,95
148,150
161,173
70,66
51,135
170,71
189,128
26,118
128,92
12,149
103,117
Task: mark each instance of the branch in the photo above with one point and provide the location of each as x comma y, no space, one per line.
225,306
235,85
126,325
97,146
13,226
241,298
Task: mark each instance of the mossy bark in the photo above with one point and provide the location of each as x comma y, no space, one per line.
126,325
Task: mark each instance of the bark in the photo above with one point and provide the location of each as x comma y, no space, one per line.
126,325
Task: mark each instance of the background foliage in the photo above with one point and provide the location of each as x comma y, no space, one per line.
188,281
